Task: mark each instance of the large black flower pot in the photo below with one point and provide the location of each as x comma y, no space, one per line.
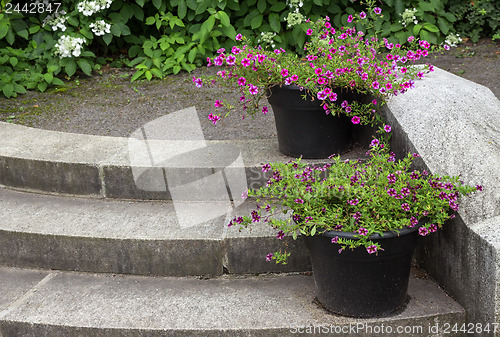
355,283
303,127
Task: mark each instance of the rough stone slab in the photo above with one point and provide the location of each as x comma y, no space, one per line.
128,168
454,124
74,304
133,237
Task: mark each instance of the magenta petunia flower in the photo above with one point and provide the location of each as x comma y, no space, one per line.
353,202
362,15
332,97
235,50
253,89
299,201
371,249
405,207
335,239
387,128
377,10
239,37
269,257
363,231
295,77
322,95
213,118
245,62
309,31
280,235
242,81
198,82
218,103
284,72
423,231
355,120
349,18
230,60
375,85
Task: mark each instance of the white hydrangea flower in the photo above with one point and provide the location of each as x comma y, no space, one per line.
68,46
294,18
452,40
88,8
267,38
100,27
408,17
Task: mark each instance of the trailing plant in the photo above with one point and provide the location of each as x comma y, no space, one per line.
360,197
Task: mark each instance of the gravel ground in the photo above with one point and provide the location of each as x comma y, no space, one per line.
109,104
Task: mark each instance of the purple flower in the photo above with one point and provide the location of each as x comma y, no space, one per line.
265,110
405,207
375,85
391,192
453,205
363,231
356,215
423,231
392,178
413,221
299,201
242,81
284,72
198,82
280,235
374,142
322,95
335,239
218,103
371,249
433,228
230,60
239,37
377,10
213,118
269,257
362,15
349,18
255,216
353,202
479,188
266,168
355,120
405,191
387,128
253,89
414,175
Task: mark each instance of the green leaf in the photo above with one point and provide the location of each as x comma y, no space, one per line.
124,29
42,86
72,21
70,68
115,30
229,31
313,231
148,75
417,29
256,21
157,3
261,5
4,28
10,37
444,25
431,28
137,75
57,81
150,20
19,88
426,6
87,33
278,7
318,2
224,18
192,55
274,21
200,8
140,2
85,66
450,17
13,60
396,27
8,89
33,29
107,38
176,69
48,77
23,33
182,9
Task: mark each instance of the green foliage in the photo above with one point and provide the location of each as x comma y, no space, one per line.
477,18
168,36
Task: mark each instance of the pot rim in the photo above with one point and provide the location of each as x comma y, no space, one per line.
385,235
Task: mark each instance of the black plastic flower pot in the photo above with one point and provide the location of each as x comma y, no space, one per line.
303,127
358,284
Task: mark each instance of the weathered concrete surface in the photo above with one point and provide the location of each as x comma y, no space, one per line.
454,124
74,304
134,237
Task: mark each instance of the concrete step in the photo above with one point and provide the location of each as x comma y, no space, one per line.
135,237
159,161
36,303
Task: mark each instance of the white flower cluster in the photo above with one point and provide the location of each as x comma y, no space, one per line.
100,27
408,17
88,8
57,20
452,40
68,46
267,38
294,17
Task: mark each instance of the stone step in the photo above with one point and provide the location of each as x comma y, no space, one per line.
153,163
135,237
37,303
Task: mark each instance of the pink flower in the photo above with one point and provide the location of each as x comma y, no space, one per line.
362,15
333,97
355,120
198,82
218,103
253,89
411,38
309,31
269,257
230,60
245,62
423,231
349,18
265,110
377,10
363,231
295,77
387,128
242,81
284,72
375,85
239,37
213,118
371,249
318,71
261,58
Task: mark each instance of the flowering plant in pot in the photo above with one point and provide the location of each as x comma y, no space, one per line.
359,219
336,63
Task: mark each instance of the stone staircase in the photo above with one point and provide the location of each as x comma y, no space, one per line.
87,248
